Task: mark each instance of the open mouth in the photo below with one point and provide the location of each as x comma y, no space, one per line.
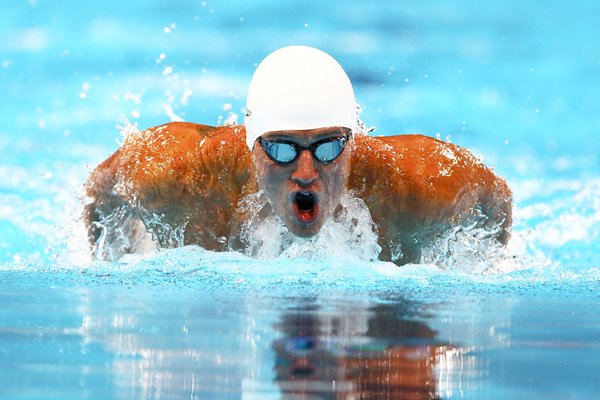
306,206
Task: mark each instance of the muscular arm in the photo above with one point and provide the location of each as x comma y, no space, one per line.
416,187
182,181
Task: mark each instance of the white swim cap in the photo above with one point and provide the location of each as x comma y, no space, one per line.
297,88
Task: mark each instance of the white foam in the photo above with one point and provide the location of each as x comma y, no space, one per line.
474,250
350,234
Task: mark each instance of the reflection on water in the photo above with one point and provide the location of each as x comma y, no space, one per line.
196,349
378,352
169,342
304,350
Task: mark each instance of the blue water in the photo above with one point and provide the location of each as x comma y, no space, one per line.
516,82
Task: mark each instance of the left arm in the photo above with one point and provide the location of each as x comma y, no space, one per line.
416,187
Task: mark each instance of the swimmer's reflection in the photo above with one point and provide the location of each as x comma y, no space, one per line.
375,353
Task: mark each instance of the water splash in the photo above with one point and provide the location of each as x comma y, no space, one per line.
231,119
361,127
350,237
474,250
119,233
126,129
349,234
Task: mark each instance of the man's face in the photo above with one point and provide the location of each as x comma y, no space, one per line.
304,192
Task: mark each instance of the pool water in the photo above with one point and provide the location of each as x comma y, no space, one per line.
517,83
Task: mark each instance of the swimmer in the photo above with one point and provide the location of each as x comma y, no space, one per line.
302,148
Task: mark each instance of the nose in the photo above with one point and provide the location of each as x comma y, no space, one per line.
305,173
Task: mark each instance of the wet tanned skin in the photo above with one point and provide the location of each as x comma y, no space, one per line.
193,176
417,186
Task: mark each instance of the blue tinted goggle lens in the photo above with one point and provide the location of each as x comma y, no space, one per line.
285,152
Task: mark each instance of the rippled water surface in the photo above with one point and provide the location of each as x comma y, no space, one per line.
517,83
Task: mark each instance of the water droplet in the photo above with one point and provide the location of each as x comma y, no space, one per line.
187,93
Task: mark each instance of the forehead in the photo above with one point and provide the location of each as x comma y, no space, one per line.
306,136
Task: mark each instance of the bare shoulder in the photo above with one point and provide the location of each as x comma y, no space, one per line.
428,170
416,186
160,163
164,179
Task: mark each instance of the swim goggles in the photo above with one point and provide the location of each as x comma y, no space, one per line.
285,152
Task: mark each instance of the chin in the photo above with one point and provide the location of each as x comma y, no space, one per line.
305,232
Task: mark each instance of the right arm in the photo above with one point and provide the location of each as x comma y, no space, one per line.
179,181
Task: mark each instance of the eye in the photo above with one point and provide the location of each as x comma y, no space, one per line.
281,152
329,151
